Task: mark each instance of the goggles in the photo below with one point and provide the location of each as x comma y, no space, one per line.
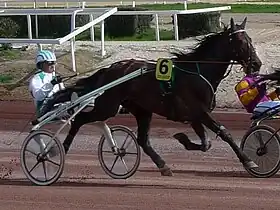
50,63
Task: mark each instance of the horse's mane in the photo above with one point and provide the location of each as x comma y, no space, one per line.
203,44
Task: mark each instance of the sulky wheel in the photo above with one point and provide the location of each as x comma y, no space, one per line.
123,163
263,148
42,168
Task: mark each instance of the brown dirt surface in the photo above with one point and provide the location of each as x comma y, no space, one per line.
210,180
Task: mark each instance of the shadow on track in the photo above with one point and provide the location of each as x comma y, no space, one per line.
238,174
77,183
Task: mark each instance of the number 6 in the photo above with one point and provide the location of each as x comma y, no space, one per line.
163,67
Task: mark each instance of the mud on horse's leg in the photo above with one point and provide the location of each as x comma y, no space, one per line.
223,133
202,134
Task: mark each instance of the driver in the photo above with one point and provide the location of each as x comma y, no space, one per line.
45,82
254,95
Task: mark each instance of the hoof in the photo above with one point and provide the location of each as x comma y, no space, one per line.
185,141
205,148
166,171
250,165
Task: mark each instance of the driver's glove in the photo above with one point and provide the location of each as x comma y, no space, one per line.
56,80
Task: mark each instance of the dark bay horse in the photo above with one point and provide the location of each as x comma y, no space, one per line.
188,97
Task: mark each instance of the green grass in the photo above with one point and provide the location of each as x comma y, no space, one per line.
6,78
272,1
149,35
235,8
9,54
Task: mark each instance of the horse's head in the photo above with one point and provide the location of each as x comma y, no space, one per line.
242,48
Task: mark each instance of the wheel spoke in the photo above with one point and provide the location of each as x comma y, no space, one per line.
124,164
45,170
124,141
269,162
51,161
34,166
108,151
127,144
130,153
114,162
258,136
33,153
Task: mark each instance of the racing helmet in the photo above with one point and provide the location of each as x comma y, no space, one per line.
45,55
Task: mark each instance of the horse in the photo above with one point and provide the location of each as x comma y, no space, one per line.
188,97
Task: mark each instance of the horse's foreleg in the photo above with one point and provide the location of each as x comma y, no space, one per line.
223,133
201,133
143,119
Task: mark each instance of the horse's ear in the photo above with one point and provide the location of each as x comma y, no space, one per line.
224,25
232,25
243,24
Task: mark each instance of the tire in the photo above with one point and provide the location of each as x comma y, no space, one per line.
107,169
262,154
43,161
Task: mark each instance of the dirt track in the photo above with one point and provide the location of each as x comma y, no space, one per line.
212,180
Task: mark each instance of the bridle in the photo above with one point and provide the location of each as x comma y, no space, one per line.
245,64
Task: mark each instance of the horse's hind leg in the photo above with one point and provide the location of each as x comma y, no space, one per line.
201,133
223,133
99,113
79,121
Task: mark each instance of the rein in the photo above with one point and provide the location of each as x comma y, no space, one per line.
231,63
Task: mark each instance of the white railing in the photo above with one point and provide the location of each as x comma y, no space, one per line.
71,36
103,13
82,3
175,14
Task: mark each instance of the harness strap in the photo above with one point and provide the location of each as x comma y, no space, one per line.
164,85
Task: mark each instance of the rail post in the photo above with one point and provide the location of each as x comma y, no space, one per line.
157,27
72,41
91,18
103,52
185,5
29,26
176,27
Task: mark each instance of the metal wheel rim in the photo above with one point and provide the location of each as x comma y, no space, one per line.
23,159
136,164
253,149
